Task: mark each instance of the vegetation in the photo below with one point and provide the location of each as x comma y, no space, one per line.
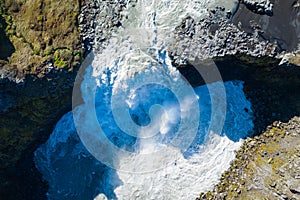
40,31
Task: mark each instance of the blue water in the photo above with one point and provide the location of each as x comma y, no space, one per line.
73,173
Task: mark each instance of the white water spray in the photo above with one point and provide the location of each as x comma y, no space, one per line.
177,153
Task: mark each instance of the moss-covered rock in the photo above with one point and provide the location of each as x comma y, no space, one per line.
266,167
40,31
28,113
39,43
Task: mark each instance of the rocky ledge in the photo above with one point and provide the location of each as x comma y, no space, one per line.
266,167
244,33
215,36
98,20
259,6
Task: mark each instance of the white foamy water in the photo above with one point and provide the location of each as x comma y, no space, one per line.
160,138
73,173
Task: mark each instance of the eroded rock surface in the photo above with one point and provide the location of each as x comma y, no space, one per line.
215,36
246,33
267,166
98,20
259,6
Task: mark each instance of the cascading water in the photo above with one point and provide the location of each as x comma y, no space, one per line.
144,132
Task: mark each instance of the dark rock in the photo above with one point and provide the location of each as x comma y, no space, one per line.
97,21
259,6
43,45
15,9
216,36
28,114
281,29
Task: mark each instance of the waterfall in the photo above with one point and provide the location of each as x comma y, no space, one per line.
141,131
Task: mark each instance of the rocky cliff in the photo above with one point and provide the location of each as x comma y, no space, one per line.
266,167
40,51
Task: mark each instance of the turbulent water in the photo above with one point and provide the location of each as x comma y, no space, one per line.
142,132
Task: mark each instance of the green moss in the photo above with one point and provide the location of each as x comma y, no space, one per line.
277,163
60,63
278,130
49,52
271,148
36,51
62,58
36,23
40,18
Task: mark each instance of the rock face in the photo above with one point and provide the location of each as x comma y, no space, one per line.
259,6
40,45
42,35
215,36
245,33
98,20
281,29
267,166
28,113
